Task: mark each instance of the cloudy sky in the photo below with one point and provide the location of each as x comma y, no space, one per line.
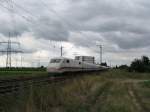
42,26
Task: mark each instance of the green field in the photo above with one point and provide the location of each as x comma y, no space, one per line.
110,91
21,72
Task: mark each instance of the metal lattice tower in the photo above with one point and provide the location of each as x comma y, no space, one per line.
9,51
101,53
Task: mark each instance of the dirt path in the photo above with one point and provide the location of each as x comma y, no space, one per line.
135,98
135,80
101,96
129,80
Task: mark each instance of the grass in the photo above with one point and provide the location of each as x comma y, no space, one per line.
21,72
143,91
124,74
146,84
111,91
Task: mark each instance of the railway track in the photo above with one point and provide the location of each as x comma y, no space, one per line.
9,86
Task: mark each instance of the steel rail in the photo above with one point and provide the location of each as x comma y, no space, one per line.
14,85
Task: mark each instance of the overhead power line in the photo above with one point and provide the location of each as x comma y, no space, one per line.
67,23
9,51
30,18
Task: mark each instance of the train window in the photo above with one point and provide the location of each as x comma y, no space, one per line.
55,61
68,61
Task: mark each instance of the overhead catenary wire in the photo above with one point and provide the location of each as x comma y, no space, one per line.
27,18
24,17
49,9
31,19
65,22
15,5
9,50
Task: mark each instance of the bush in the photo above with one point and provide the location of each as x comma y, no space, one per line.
125,67
141,65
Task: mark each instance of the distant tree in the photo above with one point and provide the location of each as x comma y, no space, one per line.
141,65
145,60
136,65
116,67
104,64
42,66
126,67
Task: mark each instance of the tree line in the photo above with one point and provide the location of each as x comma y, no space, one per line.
138,65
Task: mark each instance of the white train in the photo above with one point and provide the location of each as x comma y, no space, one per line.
63,65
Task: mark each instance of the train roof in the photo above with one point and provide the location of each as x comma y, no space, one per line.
60,58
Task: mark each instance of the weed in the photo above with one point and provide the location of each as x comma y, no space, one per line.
97,92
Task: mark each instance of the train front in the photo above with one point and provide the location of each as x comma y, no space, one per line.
54,66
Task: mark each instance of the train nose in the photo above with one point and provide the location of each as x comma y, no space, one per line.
54,70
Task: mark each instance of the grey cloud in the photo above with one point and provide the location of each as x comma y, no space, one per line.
126,40
14,26
50,29
130,18
33,19
124,24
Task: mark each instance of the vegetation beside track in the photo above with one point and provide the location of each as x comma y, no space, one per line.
110,91
21,72
23,69
143,90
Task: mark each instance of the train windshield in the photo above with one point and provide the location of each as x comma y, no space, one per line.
55,60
